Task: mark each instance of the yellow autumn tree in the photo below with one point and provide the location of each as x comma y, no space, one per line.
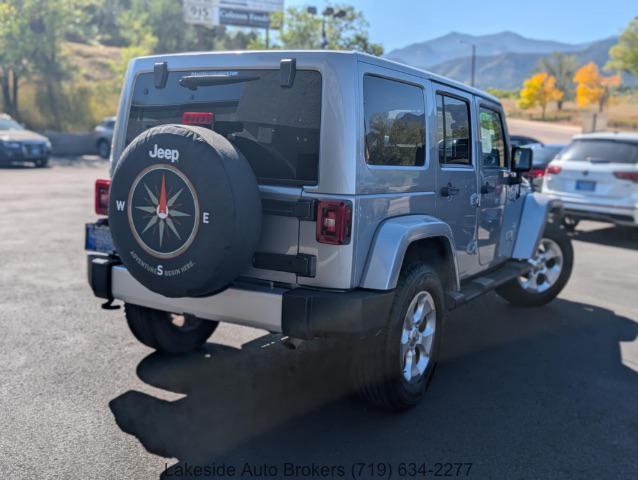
592,88
539,89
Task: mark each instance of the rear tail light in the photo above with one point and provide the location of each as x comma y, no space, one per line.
334,222
536,173
102,188
632,176
552,170
198,118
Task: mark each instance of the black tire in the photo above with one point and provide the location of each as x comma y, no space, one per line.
42,162
156,330
378,363
217,207
514,292
103,148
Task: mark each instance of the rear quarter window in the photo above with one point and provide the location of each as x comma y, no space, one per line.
394,115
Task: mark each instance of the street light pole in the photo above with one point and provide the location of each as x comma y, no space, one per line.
324,39
328,12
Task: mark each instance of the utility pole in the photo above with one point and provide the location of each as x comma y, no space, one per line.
473,64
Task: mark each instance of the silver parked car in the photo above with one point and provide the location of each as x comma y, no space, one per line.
596,177
17,144
316,194
104,136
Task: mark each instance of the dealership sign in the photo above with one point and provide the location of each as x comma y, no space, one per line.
243,13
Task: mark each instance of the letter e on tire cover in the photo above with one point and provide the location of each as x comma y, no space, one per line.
184,211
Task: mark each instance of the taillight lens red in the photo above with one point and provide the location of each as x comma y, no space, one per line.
552,169
536,173
334,222
632,176
102,188
198,118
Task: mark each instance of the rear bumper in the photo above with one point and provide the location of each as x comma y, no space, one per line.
297,312
590,210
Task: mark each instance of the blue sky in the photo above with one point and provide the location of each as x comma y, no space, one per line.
397,23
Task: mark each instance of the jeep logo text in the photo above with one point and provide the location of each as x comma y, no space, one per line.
167,153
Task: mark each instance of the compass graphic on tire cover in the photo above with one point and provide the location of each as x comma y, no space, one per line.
163,211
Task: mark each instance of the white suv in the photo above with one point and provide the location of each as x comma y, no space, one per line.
596,177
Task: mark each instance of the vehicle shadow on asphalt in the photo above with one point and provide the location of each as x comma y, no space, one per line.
611,236
518,393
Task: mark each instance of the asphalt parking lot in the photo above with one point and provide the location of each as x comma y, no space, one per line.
519,393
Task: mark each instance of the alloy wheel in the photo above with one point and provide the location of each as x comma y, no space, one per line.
417,336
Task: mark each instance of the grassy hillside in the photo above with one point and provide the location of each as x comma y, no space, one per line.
92,62
90,93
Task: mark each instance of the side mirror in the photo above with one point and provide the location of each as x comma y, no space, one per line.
522,159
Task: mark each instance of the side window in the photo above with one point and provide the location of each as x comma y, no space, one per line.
394,122
493,150
453,131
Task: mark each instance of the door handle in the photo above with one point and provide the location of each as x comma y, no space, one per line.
487,188
449,190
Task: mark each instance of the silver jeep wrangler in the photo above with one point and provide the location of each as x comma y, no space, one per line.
316,194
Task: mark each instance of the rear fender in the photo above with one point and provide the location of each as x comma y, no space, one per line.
392,240
532,224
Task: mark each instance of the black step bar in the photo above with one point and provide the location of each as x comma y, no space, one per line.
476,286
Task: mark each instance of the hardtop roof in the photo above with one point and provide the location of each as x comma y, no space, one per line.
359,56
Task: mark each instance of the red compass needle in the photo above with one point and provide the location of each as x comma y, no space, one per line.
162,200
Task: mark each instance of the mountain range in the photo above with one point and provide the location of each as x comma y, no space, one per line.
503,60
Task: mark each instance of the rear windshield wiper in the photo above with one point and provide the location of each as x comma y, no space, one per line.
192,82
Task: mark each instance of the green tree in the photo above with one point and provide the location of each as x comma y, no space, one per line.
562,67
50,21
17,47
300,29
103,22
624,55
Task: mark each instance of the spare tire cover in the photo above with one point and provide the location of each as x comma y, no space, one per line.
184,211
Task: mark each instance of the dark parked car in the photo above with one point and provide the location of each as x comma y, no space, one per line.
520,140
17,144
103,136
543,154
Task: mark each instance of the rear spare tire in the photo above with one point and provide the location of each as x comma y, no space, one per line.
184,211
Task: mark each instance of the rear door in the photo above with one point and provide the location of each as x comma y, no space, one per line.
275,127
457,198
493,181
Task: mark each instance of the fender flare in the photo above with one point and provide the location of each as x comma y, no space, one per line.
534,216
391,241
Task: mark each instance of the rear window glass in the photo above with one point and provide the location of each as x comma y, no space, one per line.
394,122
276,128
601,151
